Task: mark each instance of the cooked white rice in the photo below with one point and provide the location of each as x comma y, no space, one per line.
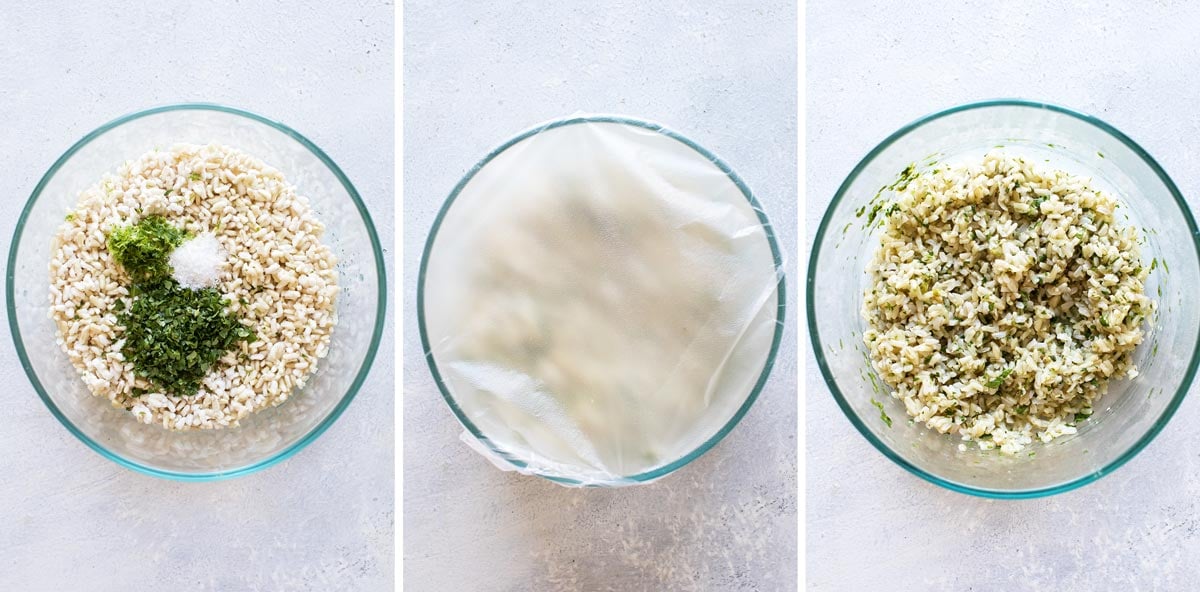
279,278
1004,298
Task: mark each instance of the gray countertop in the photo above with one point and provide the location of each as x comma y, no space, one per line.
873,67
475,75
323,520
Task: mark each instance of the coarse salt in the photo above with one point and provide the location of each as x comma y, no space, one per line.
196,263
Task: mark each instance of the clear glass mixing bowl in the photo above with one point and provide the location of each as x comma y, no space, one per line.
264,438
707,171
1129,415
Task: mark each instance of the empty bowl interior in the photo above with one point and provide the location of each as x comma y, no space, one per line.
263,437
1128,415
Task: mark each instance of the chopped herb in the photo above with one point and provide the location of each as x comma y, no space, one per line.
1100,154
173,335
1153,264
1165,268
1036,205
882,414
906,176
1022,409
1081,416
194,176
70,216
874,212
999,380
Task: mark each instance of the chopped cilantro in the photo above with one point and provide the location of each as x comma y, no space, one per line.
873,213
173,335
999,380
1036,205
882,414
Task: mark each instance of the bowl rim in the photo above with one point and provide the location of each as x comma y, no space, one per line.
830,381
746,193
291,450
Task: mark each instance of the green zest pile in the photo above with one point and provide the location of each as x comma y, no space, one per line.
173,335
144,249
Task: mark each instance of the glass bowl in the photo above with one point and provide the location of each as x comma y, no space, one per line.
1128,416
676,168
263,438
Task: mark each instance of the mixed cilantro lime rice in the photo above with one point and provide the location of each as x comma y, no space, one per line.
1005,296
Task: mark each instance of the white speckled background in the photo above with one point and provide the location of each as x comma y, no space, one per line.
323,520
475,75
873,67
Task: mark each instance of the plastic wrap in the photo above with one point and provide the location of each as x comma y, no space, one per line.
600,301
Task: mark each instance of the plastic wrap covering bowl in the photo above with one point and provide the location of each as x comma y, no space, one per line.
600,301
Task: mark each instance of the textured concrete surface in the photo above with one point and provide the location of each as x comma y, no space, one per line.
724,74
323,520
870,524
